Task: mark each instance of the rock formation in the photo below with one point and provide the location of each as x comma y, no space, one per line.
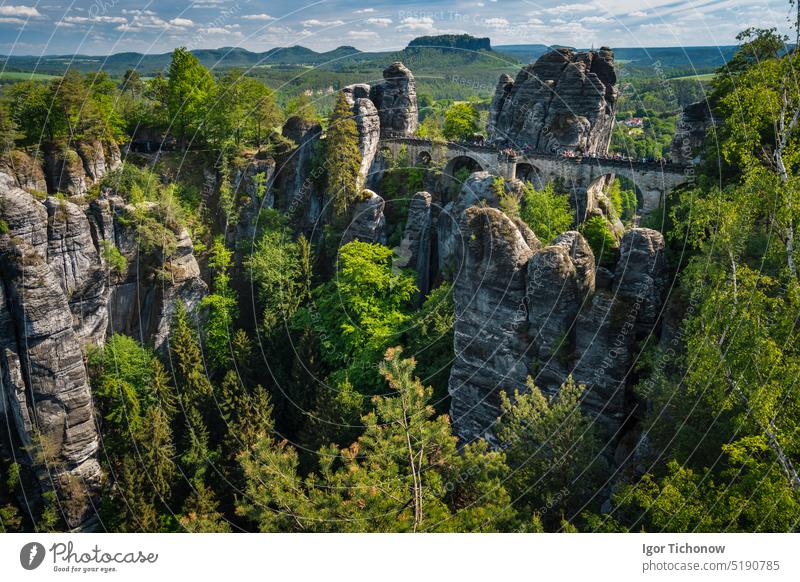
43,380
415,247
369,126
563,102
368,221
477,190
546,312
299,198
396,101
690,132
73,169
26,170
57,297
489,342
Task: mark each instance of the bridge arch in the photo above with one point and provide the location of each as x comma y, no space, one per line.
527,172
458,169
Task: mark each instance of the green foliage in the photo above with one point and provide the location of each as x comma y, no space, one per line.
187,362
604,245
429,338
302,106
403,474
115,260
222,307
73,107
280,270
136,403
241,111
461,122
342,157
362,309
552,451
401,180
623,201
750,496
8,132
545,211
187,94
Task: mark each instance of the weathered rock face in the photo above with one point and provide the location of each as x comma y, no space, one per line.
57,296
368,223
141,303
253,197
690,132
43,378
548,313
396,100
490,334
368,121
501,92
64,172
415,247
294,181
563,102
26,170
478,189
72,170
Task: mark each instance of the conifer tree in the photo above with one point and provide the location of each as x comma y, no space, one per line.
342,157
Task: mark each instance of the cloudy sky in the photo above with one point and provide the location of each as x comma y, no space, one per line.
110,26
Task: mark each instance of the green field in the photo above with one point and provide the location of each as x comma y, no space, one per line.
703,77
26,76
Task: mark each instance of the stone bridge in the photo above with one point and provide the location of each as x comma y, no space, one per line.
651,180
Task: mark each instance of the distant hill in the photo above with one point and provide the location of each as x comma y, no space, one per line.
527,53
426,51
221,58
451,41
673,61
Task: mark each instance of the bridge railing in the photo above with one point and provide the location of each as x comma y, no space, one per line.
521,156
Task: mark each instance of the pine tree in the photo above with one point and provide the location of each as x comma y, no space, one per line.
187,361
222,307
342,157
201,512
403,474
552,450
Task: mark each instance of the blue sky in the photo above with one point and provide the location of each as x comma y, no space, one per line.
109,26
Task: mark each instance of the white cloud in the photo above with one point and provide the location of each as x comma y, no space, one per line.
496,22
363,34
379,21
258,17
144,21
566,8
139,12
366,11
28,11
534,21
596,19
219,30
638,13
12,21
315,22
102,19
415,23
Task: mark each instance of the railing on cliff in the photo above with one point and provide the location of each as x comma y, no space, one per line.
515,156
